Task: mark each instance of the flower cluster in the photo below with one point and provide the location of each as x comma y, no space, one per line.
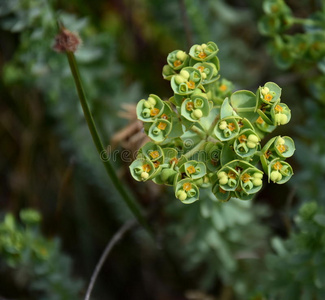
307,46
206,136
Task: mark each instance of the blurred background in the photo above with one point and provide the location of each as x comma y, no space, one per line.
58,209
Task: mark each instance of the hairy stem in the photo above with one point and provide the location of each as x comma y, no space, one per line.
130,202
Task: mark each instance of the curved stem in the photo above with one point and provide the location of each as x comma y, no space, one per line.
130,202
213,124
117,236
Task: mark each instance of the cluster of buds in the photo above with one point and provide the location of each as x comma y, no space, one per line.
206,136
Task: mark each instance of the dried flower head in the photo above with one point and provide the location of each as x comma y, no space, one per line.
66,41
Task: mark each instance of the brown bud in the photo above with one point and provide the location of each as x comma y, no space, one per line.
66,41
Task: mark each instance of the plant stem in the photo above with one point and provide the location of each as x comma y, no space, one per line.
129,201
196,149
198,131
213,124
117,236
307,22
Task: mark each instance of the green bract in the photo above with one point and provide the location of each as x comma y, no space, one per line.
206,136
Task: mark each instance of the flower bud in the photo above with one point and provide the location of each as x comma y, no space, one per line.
197,114
144,175
257,182
152,101
258,175
181,195
264,90
181,55
251,145
222,174
253,138
223,180
280,141
275,176
179,79
223,125
184,74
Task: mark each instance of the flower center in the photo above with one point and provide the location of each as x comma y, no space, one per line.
232,175
191,85
146,168
202,55
156,163
164,116
260,120
162,125
154,154
177,63
231,126
281,148
187,186
200,68
154,112
189,106
190,170
268,97
277,166
242,138
245,178
223,88
174,161
278,108
268,153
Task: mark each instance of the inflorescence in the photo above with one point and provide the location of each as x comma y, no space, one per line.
205,136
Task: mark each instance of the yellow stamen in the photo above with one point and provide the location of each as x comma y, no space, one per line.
260,120
189,106
278,108
154,154
277,166
154,111
267,154
156,163
200,68
232,175
223,87
191,85
245,178
281,148
242,138
202,55
162,125
191,170
231,126
146,168
187,186
177,63
268,97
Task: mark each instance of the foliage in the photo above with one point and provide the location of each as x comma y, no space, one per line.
35,261
296,270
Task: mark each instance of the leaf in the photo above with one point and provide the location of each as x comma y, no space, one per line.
320,219
226,109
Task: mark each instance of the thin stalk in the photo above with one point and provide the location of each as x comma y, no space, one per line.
196,149
129,201
307,22
118,235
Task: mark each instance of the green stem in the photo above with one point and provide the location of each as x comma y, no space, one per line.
213,124
196,149
198,131
129,201
307,22
245,109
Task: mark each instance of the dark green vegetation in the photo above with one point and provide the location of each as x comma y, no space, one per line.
271,247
